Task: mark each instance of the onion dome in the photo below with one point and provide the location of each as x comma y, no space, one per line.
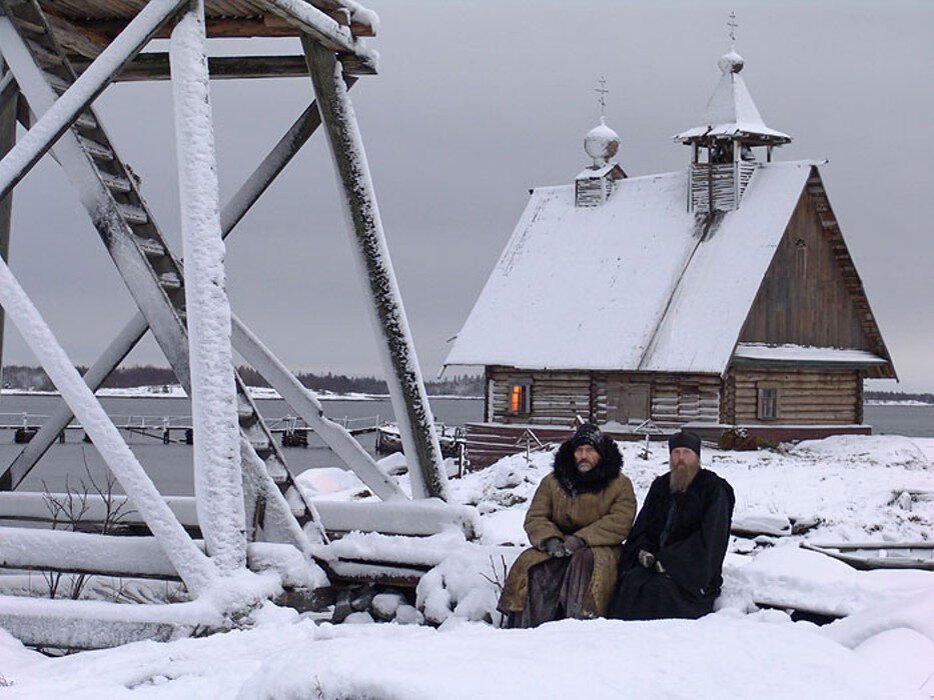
601,143
731,62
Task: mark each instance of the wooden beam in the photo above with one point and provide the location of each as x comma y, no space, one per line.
387,314
9,97
77,39
155,66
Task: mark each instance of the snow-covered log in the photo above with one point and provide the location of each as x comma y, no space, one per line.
91,624
397,350
417,517
136,557
218,483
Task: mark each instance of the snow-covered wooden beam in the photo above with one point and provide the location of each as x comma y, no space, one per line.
415,518
304,402
321,28
91,624
9,97
136,557
217,476
387,314
60,116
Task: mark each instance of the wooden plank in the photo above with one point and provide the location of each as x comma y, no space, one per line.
155,67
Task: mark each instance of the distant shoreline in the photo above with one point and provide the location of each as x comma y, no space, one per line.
258,393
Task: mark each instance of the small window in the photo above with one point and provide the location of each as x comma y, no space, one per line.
519,399
768,403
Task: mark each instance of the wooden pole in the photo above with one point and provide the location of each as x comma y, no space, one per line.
218,479
8,100
397,351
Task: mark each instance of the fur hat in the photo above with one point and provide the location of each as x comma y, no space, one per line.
588,434
571,479
685,439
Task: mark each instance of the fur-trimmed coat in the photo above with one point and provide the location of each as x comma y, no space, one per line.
597,506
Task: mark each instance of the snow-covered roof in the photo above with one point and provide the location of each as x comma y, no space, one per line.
805,353
595,173
629,285
731,110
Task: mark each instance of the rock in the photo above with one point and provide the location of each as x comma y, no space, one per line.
342,607
359,618
364,597
409,615
385,605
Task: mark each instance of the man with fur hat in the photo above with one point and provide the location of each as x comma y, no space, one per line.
578,518
671,563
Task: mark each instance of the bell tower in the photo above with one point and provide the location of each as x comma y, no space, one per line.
723,160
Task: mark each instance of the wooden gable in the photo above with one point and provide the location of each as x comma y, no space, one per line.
812,293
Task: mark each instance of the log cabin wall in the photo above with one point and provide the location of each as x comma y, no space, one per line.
804,298
683,398
805,396
557,398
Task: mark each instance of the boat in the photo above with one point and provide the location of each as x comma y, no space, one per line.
879,555
389,441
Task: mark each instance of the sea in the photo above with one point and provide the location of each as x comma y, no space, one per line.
68,465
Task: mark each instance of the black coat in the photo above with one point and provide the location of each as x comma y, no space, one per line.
692,555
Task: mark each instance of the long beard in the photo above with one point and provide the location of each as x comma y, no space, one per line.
681,477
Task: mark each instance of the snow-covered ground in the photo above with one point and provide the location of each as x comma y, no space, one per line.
855,488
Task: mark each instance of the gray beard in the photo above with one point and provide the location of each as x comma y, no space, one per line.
680,478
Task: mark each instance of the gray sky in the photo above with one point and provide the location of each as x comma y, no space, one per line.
477,102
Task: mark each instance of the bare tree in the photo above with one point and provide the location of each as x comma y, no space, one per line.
68,511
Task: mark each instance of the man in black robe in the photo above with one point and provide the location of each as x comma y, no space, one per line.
671,562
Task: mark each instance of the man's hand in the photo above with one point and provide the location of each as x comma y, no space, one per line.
572,543
554,546
646,559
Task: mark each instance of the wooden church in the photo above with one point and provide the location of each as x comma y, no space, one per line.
719,296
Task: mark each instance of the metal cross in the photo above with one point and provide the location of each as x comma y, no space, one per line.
732,25
602,92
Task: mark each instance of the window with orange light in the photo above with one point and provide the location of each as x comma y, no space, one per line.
519,399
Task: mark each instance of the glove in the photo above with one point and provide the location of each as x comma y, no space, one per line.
554,546
572,543
646,558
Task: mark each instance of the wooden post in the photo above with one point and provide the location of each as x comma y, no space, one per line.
218,479
397,351
8,100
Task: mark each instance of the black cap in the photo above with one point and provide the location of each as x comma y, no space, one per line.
685,439
588,434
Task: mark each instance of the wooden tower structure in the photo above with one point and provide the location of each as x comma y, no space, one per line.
58,56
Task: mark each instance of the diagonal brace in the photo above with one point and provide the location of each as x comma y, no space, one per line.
105,68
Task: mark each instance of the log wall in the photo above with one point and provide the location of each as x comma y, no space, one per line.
557,398
805,396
